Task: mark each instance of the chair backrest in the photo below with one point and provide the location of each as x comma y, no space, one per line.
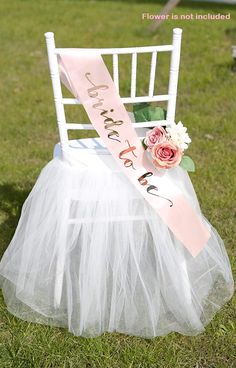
174,48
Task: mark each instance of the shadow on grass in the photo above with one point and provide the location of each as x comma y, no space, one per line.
12,198
224,70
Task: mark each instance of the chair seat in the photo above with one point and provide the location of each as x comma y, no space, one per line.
92,152
91,145
94,145
88,153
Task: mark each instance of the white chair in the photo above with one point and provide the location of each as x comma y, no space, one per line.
79,148
116,53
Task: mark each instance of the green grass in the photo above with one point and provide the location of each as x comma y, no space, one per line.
206,104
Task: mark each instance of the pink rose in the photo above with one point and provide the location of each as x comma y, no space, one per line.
166,155
156,135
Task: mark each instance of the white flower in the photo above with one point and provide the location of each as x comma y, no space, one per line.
178,134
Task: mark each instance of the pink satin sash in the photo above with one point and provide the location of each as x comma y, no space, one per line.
87,77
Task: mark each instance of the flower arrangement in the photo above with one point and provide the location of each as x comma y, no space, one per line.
166,144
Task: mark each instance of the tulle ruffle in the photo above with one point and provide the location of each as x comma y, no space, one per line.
90,254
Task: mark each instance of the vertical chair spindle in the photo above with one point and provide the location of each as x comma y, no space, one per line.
133,75
152,74
174,74
56,85
116,71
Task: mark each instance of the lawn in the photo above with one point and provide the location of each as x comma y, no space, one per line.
206,104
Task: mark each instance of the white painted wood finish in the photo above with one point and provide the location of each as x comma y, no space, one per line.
116,70
120,51
56,85
133,75
152,74
115,52
174,75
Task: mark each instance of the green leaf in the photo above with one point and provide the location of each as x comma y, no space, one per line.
187,163
141,112
144,112
140,105
144,145
156,113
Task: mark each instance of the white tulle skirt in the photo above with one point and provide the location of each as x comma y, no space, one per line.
90,254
